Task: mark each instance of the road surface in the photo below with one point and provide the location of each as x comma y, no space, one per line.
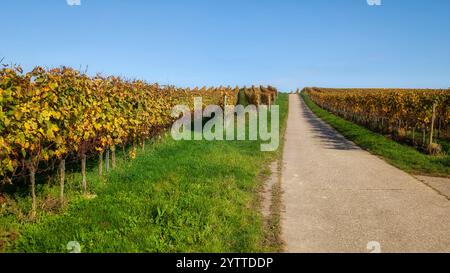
339,198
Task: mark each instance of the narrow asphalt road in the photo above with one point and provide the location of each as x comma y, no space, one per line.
338,198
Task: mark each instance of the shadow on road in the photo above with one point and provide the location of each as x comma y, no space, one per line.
326,134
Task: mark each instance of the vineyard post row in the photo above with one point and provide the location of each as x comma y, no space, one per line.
392,111
47,116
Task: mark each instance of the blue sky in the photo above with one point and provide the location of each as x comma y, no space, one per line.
286,43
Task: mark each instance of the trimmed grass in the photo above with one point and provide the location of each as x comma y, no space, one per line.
176,196
399,155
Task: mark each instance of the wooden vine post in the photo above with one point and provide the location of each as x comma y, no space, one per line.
32,171
113,157
100,163
83,172
107,160
433,119
270,103
62,174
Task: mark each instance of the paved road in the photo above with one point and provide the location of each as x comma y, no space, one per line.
338,198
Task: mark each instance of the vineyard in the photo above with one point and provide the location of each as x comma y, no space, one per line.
418,117
50,116
260,95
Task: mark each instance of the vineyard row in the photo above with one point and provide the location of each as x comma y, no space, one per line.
50,115
416,115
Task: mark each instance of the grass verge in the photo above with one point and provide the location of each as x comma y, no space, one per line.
273,240
176,196
399,155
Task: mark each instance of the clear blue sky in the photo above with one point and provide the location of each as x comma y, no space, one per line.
286,43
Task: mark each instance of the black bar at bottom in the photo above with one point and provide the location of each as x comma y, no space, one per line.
219,262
